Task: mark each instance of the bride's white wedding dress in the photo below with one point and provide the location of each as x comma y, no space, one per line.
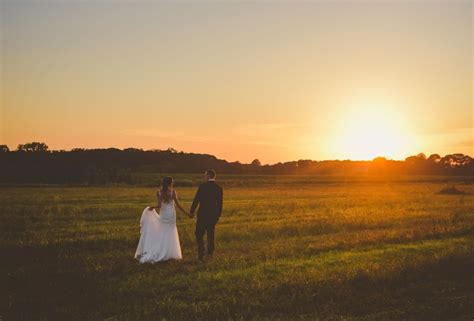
159,240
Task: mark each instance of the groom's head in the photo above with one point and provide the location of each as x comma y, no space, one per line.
210,174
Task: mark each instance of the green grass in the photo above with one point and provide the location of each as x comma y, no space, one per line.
317,249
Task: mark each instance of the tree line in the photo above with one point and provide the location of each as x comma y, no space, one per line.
35,163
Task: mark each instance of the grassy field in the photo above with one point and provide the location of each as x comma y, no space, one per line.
287,249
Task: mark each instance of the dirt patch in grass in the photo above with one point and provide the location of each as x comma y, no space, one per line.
451,190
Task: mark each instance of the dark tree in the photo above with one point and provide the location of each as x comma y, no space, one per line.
456,160
33,163
421,156
33,147
435,158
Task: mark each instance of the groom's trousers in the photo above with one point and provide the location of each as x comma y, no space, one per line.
205,227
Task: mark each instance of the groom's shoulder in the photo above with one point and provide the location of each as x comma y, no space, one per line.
218,186
211,185
204,185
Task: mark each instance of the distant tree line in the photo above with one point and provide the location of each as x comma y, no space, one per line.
35,163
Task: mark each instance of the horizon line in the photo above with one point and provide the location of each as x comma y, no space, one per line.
173,150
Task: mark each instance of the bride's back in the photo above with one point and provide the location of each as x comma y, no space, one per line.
166,197
165,194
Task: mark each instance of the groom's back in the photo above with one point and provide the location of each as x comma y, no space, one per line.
210,199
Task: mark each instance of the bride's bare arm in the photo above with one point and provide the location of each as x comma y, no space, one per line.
178,204
157,206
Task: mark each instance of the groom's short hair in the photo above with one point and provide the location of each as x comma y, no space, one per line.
211,173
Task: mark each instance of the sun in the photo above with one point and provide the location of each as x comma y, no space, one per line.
369,131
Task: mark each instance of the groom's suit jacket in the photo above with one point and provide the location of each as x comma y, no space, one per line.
209,197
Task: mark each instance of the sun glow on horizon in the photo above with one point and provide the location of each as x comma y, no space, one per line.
371,130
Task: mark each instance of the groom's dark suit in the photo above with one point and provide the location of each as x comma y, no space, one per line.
209,198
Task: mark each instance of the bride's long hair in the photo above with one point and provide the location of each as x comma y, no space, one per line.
165,190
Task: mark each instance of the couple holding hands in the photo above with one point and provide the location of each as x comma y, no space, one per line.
159,239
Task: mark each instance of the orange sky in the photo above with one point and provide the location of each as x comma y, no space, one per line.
274,81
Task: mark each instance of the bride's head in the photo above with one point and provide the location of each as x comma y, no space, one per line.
166,186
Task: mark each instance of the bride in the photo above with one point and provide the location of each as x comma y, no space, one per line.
159,240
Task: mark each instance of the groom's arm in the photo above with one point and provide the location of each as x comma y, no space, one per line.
220,200
196,201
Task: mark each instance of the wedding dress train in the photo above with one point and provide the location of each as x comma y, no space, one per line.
159,240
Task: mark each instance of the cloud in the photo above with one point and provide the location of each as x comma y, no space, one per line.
171,135
263,128
269,133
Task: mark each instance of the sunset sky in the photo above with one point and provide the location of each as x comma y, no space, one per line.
276,81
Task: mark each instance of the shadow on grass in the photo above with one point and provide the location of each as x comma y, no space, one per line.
432,291
74,281
59,281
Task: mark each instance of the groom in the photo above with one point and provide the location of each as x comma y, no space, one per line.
209,199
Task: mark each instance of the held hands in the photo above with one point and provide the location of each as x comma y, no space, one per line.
191,215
